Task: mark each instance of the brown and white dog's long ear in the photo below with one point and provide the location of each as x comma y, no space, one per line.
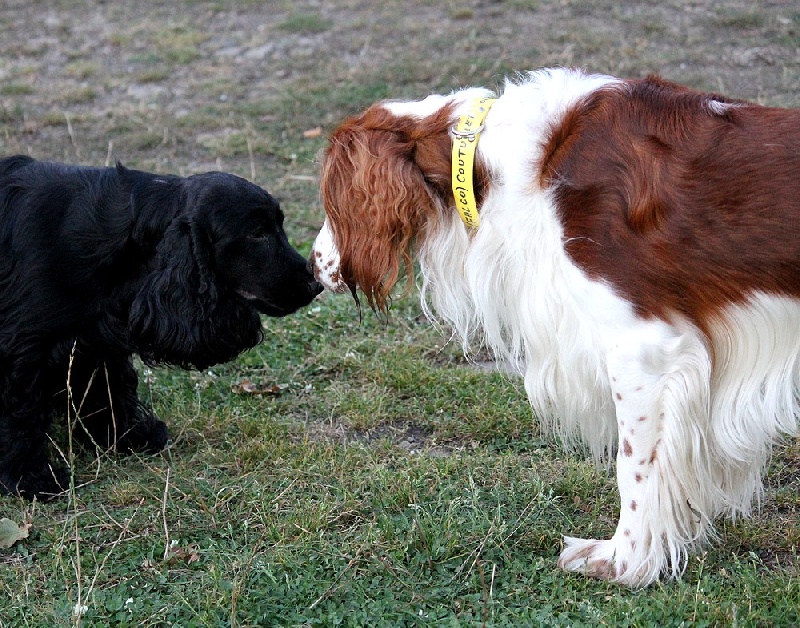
376,199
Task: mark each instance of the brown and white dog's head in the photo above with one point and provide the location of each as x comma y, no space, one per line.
385,178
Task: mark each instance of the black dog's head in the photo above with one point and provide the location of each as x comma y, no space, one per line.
223,258
250,254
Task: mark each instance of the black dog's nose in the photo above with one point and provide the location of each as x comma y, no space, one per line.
315,286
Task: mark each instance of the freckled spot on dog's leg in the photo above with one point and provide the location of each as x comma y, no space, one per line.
626,448
619,397
634,505
638,477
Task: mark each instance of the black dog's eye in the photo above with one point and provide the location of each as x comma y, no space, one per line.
260,232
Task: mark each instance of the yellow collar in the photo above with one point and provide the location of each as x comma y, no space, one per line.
465,142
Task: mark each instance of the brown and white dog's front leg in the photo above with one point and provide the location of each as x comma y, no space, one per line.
660,385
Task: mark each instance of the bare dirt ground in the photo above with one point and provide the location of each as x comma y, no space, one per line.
164,84
252,87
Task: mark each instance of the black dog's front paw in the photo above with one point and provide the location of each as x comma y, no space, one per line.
44,483
149,436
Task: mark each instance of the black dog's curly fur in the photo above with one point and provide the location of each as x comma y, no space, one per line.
98,264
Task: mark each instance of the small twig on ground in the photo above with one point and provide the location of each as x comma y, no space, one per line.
164,516
72,135
249,131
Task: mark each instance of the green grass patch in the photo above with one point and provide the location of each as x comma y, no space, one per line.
367,478
78,95
307,23
82,69
16,89
153,75
731,18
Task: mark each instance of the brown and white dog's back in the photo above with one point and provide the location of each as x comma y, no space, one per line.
637,254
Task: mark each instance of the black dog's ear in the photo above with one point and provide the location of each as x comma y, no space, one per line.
15,162
176,298
179,315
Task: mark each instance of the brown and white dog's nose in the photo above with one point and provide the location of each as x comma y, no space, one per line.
325,261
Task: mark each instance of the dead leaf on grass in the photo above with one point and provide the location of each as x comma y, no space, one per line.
312,133
247,387
10,532
187,555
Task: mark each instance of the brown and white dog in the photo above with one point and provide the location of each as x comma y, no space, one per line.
637,254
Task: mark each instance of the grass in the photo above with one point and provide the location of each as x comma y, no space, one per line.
347,473
16,89
306,504
308,23
737,19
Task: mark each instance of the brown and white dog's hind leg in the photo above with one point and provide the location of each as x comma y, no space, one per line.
660,380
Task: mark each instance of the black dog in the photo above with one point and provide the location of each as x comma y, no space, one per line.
97,264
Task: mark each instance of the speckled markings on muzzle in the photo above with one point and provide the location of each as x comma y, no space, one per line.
326,261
